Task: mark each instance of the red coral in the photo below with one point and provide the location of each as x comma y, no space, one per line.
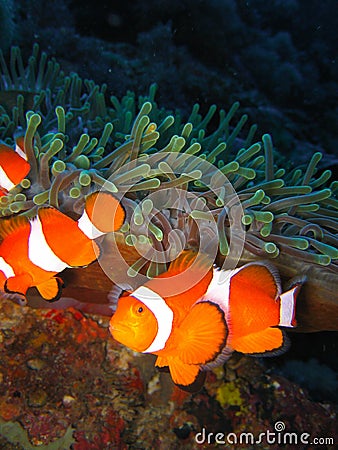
110,435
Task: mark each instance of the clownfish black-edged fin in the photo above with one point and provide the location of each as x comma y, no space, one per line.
187,377
51,289
55,219
262,274
12,225
220,359
181,373
164,369
204,333
268,342
105,211
277,352
18,284
196,385
162,364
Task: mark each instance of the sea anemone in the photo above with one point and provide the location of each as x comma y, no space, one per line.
77,140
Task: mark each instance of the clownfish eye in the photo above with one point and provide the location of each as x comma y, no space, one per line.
140,310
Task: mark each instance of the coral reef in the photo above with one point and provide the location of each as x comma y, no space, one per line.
319,379
65,381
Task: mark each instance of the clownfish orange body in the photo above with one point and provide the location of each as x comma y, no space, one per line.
13,165
197,329
33,251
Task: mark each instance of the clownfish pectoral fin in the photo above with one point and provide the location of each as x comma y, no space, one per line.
203,333
161,362
197,383
181,373
18,284
188,377
50,289
268,342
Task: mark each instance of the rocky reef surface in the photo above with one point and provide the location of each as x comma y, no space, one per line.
65,384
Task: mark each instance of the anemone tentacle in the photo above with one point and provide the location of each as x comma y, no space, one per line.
76,139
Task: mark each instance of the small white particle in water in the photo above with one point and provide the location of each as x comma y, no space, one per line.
154,384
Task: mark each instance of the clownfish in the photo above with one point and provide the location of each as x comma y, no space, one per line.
34,250
14,166
197,329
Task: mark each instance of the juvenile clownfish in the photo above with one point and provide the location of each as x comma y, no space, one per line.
34,250
13,165
195,330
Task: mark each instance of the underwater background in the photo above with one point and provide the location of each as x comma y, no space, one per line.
64,382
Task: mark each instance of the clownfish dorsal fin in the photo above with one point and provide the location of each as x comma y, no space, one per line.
65,239
186,280
50,289
6,152
13,165
262,275
55,222
254,302
270,340
202,334
186,259
12,225
104,211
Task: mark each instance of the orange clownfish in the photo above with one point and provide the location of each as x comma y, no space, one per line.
33,251
195,330
13,165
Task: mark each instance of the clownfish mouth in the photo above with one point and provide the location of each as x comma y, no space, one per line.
120,329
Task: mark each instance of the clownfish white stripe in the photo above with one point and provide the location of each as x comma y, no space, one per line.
21,152
6,268
87,227
287,308
5,182
39,251
164,316
219,288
